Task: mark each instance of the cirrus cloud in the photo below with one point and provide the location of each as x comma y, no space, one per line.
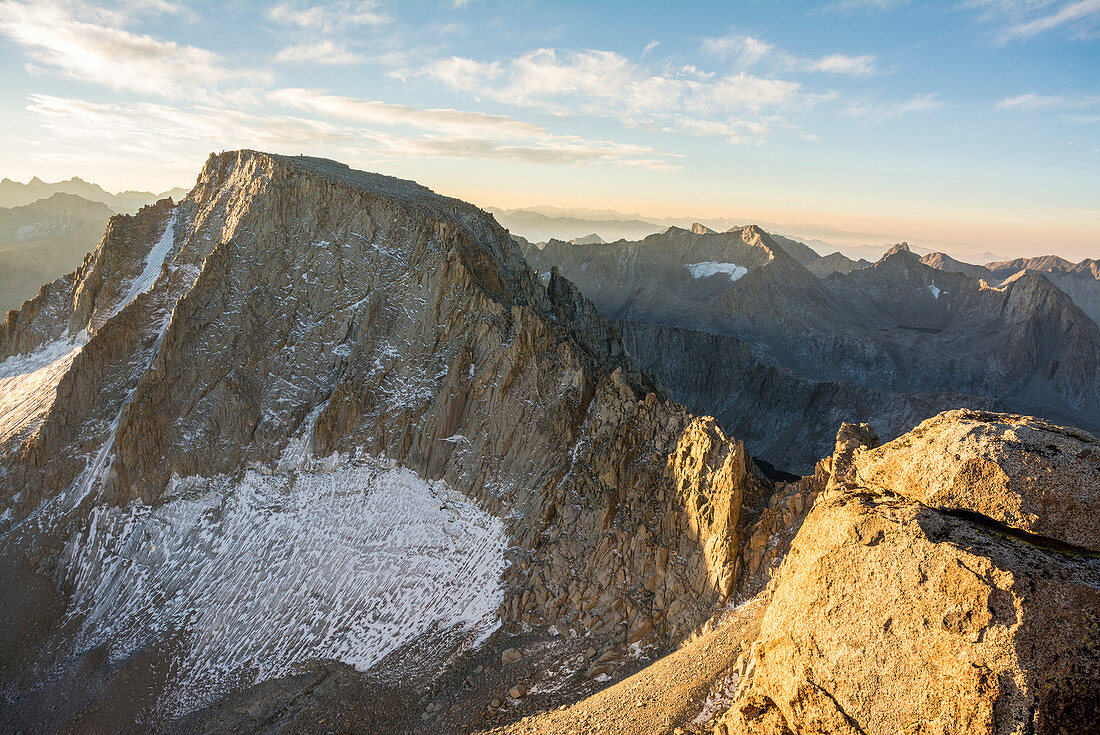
748,51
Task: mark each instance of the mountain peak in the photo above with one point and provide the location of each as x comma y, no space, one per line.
753,231
701,229
901,247
592,239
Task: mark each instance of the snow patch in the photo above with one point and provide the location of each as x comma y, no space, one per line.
934,291
26,232
711,268
256,576
721,697
28,383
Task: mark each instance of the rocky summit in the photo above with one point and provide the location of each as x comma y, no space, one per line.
317,450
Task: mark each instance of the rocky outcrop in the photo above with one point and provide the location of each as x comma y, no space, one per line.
1079,281
894,611
836,263
1018,471
944,262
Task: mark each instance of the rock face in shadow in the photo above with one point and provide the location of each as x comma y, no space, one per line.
292,319
782,416
894,611
1080,281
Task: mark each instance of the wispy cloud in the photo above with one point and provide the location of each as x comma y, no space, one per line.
215,105
329,53
136,132
447,121
328,17
58,41
856,5
858,66
597,81
606,84
748,51
462,133
916,103
1031,102
1023,19
1081,14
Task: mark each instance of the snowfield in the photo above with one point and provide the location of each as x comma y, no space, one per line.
345,560
711,268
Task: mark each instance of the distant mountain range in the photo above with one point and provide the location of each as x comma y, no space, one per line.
544,223
538,226
781,344
43,240
16,194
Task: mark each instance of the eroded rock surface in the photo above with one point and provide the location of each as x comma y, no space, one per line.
1019,471
894,613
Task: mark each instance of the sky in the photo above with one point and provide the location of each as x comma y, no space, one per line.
970,126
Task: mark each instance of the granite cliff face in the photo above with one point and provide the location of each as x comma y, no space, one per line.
781,415
892,343
898,604
293,324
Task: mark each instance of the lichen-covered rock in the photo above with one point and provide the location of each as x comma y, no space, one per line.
1024,472
892,615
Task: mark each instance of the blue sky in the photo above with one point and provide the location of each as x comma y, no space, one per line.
969,126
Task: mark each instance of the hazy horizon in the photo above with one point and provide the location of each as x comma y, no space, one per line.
964,128
823,238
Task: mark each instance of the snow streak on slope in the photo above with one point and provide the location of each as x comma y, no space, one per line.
153,262
711,268
268,572
28,383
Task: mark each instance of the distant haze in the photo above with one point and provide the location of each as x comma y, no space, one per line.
539,224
